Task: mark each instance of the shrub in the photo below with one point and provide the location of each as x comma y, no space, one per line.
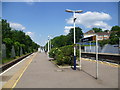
63,55
60,59
53,52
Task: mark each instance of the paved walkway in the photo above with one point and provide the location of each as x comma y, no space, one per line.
41,73
9,74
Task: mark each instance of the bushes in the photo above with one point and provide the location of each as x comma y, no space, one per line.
63,55
53,52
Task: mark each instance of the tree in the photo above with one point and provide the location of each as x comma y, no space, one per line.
8,42
97,30
115,28
103,42
68,39
59,41
23,47
78,35
17,48
17,38
6,30
106,30
114,36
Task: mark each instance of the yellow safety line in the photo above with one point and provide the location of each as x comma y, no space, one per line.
23,72
16,81
110,64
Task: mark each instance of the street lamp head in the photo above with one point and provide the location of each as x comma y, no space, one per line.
78,11
68,10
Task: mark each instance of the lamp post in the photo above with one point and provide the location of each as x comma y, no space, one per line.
50,42
74,18
118,45
48,45
96,56
45,47
90,46
80,55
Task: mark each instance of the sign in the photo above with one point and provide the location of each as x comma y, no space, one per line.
93,38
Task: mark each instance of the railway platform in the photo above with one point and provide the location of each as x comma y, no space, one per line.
37,71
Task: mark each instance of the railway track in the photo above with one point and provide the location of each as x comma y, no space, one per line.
5,66
105,57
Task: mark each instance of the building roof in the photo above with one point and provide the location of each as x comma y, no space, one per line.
90,32
103,33
98,33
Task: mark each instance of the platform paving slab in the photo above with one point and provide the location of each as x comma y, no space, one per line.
41,73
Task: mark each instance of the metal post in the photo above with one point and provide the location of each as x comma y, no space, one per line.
74,43
119,46
45,47
80,57
96,56
76,11
90,46
50,43
85,48
48,46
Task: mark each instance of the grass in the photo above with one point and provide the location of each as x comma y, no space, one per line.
6,60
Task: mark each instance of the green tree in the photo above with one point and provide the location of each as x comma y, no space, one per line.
17,48
28,43
115,28
114,36
17,38
97,30
23,48
106,30
8,42
68,39
78,35
59,41
6,30
103,42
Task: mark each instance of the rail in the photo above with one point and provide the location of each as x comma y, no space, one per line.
103,56
5,66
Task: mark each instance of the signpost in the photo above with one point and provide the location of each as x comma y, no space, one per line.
92,38
80,55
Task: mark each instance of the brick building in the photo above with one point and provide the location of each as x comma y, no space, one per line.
101,35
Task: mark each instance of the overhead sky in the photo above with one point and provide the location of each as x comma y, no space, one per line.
41,19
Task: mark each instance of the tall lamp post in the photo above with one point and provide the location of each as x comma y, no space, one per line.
50,42
48,45
74,18
119,45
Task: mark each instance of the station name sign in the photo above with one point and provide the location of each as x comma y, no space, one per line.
92,38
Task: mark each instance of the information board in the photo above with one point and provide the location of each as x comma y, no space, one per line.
92,38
